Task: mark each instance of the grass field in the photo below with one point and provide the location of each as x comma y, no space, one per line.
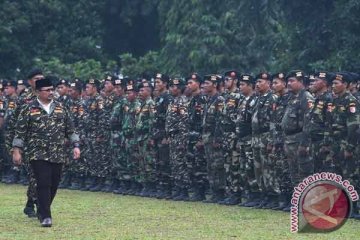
85,215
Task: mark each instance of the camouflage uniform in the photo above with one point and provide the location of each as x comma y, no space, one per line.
94,121
295,118
264,168
196,153
247,179
118,141
212,139
163,170
177,132
143,126
131,109
344,120
228,128
3,149
25,98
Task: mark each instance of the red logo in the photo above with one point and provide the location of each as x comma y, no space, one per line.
325,206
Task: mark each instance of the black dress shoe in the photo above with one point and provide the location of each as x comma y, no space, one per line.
46,222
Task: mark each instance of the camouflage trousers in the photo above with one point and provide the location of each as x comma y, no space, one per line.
98,158
196,164
132,158
263,166
247,179
118,154
178,161
146,161
348,168
163,169
299,166
282,181
31,192
232,163
78,166
215,164
322,161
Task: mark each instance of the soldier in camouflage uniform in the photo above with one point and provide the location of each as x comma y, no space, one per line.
264,168
109,101
283,186
228,127
4,169
159,138
120,169
195,151
131,110
293,123
144,124
247,180
10,103
26,97
94,121
41,130
62,90
177,132
212,138
317,128
77,168
343,117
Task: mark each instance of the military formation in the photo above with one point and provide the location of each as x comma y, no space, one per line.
230,138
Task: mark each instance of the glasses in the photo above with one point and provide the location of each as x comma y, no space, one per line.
47,90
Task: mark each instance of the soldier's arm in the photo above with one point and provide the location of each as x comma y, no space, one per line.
70,131
307,103
353,124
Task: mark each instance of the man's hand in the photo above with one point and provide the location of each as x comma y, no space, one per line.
76,153
302,151
347,155
16,156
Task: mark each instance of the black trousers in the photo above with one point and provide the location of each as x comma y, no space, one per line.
47,177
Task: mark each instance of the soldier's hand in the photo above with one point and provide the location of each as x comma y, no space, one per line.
151,142
99,139
325,149
347,155
199,144
216,145
16,156
76,153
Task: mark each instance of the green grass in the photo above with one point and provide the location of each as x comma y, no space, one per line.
85,215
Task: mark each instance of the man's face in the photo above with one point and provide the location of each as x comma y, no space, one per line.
118,90
262,86
229,82
278,85
130,95
245,88
159,85
294,85
34,79
90,89
192,85
20,88
174,90
317,85
338,86
46,94
108,86
144,93
62,89
208,87
73,93
9,90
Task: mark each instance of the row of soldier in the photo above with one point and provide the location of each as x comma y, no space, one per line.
246,140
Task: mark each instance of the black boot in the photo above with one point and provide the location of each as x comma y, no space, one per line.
123,187
14,176
99,185
29,209
23,177
272,202
176,192
76,183
89,182
65,182
183,196
281,202
108,186
253,200
133,188
216,196
199,194
145,192
233,199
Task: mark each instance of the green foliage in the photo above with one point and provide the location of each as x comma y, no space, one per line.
178,36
